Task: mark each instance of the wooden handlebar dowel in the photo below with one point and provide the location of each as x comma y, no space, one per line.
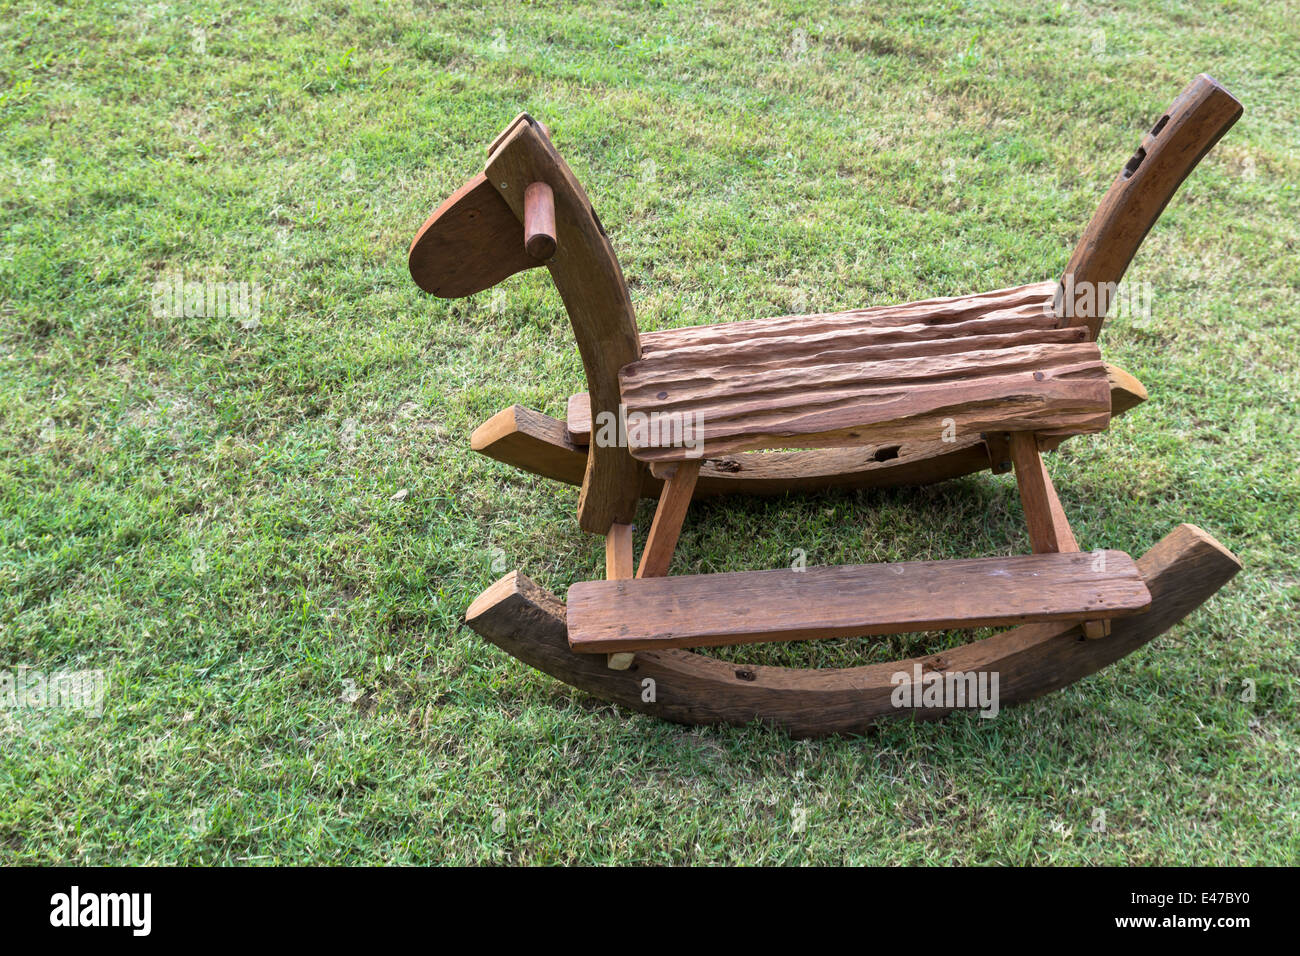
539,221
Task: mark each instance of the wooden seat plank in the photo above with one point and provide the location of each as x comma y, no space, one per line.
1041,387
1126,393
1027,303
747,607
994,361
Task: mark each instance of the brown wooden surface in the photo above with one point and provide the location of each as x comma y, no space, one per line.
748,607
1002,310
470,243
1048,530
1126,393
532,442
1181,571
590,282
759,398
1202,113
1061,531
539,221
998,444
538,444
667,525
510,128
619,566
577,418
618,553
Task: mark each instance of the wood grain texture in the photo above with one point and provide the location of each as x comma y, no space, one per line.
1049,532
1126,393
802,338
588,277
914,390
750,607
510,128
539,221
470,243
577,418
1061,530
674,501
1013,309
1199,116
1049,529
532,442
619,566
1181,572
536,443
999,451
1092,629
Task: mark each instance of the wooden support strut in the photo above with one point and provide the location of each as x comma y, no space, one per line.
1049,531
679,486
539,221
618,567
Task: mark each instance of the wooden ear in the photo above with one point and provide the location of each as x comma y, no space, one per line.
471,242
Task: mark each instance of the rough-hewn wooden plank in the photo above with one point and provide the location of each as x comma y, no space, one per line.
1126,393
674,501
532,441
1181,571
762,359
816,348
1025,306
539,444
706,610
817,345
922,397
930,327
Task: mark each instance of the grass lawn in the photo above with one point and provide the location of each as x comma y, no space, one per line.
265,530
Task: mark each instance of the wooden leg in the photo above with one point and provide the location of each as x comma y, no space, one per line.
618,567
679,485
1049,531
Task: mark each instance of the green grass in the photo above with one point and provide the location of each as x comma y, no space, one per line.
206,511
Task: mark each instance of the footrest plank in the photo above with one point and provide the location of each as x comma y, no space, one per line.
749,607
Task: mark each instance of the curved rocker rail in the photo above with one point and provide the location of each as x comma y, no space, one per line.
1181,571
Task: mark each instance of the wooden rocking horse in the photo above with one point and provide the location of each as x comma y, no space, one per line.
882,396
